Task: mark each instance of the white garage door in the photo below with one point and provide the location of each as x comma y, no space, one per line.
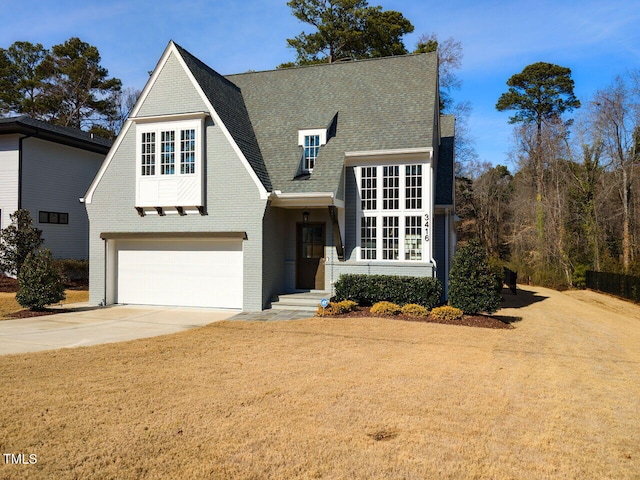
192,273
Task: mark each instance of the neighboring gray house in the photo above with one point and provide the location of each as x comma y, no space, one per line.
44,169
226,191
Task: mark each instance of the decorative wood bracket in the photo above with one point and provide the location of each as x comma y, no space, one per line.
337,238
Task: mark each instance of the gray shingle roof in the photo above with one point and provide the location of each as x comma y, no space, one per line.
55,133
385,103
228,102
377,104
445,169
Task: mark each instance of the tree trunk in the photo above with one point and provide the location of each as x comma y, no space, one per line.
626,221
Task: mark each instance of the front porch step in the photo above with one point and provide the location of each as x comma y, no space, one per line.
307,301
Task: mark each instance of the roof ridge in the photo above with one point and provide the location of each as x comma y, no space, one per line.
343,63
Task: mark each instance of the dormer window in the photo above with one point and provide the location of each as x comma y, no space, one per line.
311,147
311,141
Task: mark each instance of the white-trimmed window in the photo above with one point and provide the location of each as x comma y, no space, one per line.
169,162
167,152
368,238
311,140
413,187
392,216
368,188
148,153
311,147
162,139
391,187
390,238
188,151
413,238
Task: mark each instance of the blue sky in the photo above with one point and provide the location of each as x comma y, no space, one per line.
596,39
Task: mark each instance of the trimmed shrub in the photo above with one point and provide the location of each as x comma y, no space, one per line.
447,313
385,308
73,270
472,283
39,282
366,290
415,310
338,308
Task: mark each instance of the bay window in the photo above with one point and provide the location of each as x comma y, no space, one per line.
392,212
169,156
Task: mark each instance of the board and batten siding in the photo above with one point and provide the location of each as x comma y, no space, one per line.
9,171
54,178
232,199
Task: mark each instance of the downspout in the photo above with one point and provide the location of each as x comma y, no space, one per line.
106,268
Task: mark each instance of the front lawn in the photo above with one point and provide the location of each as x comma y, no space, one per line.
9,306
363,398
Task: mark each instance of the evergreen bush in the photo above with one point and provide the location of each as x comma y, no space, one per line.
472,283
73,270
17,241
366,290
39,282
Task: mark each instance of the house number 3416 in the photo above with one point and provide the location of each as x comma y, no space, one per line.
426,227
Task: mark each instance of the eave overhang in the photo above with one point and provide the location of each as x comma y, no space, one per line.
87,144
170,235
404,154
170,118
304,200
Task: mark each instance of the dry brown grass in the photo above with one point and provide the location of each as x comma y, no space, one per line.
8,304
556,397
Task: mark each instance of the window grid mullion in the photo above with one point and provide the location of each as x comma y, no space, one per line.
393,228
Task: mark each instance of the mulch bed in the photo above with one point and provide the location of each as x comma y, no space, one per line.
482,321
8,284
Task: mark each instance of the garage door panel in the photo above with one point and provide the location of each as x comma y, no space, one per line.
188,273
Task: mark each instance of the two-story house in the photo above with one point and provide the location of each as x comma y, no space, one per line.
223,191
45,168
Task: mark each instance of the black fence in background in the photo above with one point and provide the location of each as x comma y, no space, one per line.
625,286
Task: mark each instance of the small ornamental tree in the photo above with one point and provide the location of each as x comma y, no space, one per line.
40,283
472,283
17,241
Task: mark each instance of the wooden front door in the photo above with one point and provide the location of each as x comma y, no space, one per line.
310,256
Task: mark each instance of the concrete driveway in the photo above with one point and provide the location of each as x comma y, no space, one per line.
92,326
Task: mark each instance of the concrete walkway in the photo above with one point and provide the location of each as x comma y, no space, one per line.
92,326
